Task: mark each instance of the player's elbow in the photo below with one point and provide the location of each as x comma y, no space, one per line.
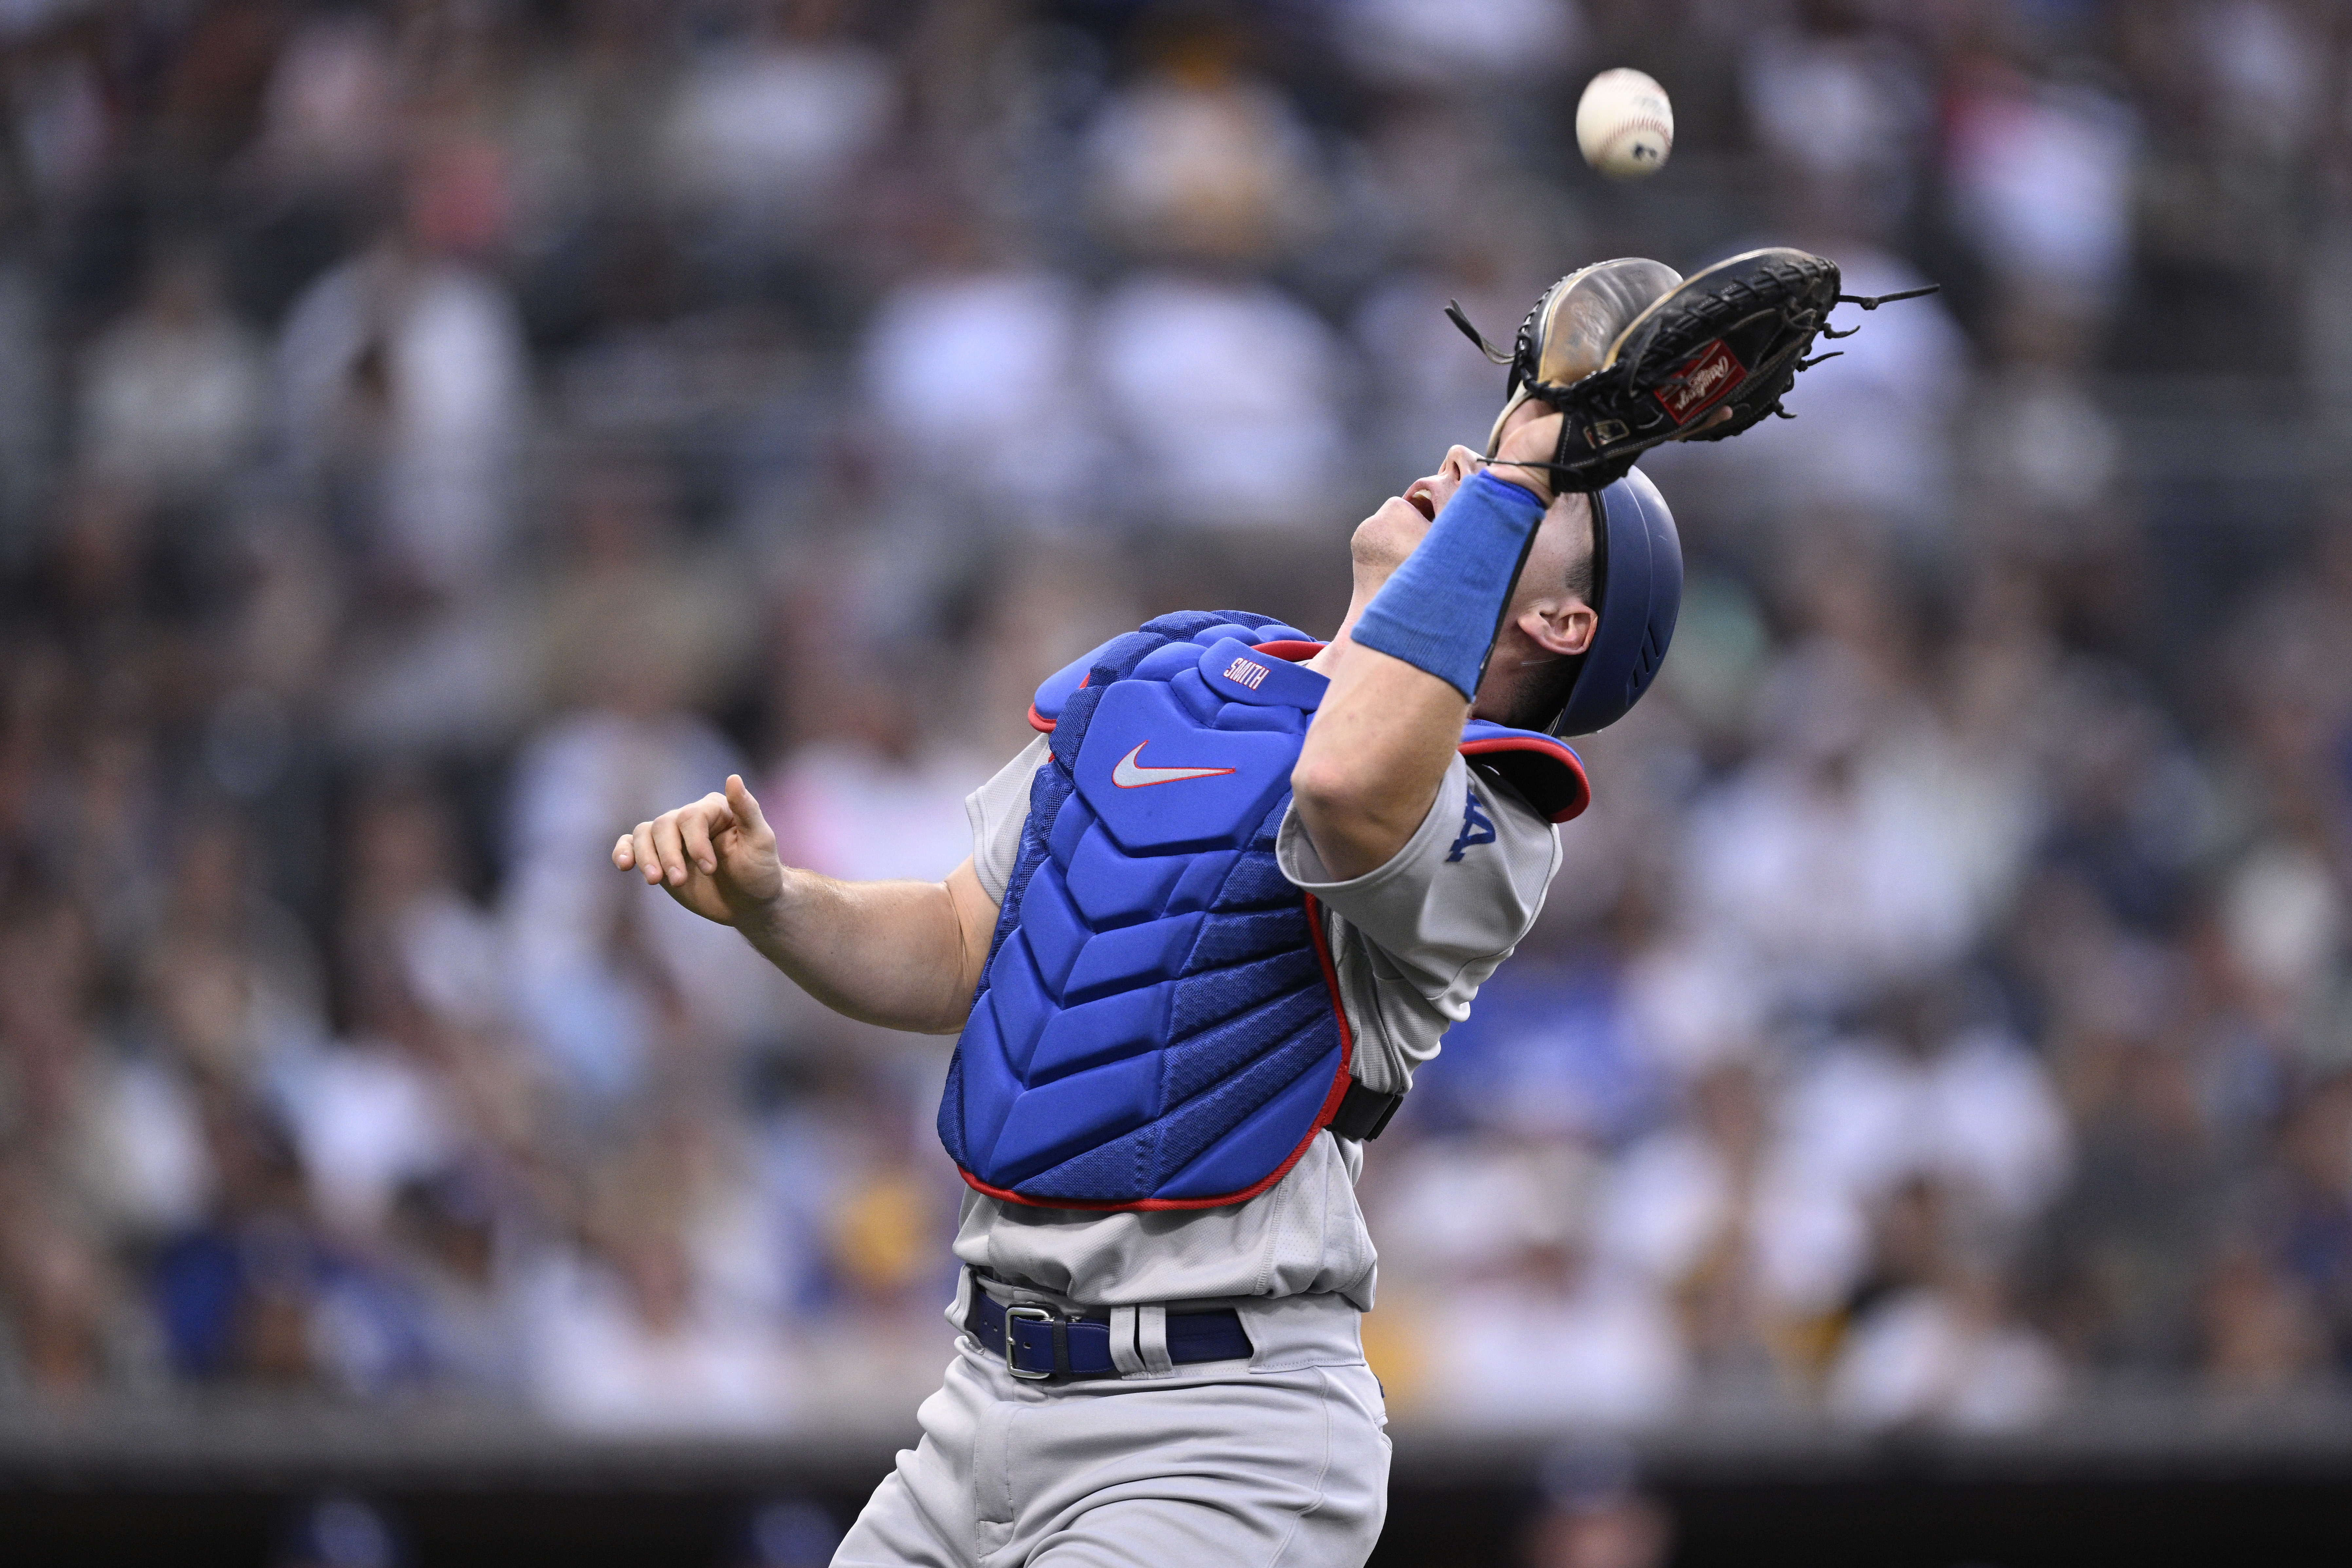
1354,824
1326,787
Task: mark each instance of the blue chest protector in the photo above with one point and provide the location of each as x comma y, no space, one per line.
1158,1025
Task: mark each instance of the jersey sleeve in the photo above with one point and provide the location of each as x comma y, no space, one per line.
997,811
1415,938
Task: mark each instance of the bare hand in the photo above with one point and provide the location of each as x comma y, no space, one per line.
717,857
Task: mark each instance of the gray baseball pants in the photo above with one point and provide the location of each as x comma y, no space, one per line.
1278,1461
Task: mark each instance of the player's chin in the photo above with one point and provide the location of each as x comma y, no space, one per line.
1389,535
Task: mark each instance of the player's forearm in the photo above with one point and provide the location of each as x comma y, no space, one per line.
893,953
1373,758
1388,728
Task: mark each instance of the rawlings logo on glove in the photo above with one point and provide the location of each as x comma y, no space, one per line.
1701,382
1632,353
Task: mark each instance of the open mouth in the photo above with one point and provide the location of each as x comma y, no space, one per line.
1421,501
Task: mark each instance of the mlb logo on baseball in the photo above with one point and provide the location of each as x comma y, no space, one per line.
1625,124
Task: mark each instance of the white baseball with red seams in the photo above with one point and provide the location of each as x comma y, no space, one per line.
1625,124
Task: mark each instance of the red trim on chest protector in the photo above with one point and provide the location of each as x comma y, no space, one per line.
1339,1082
1552,747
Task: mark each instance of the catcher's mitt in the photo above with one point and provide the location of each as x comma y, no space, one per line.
1632,354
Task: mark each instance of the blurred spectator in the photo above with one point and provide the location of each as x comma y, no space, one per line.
406,391
1846,110
609,983
2043,178
1932,1340
1202,158
172,397
975,374
1225,390
25,400
1543,1331
631,1334
1428,44
2260,1333
767,131
1730,1218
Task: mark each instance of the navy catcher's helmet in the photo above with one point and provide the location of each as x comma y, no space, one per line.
1637,588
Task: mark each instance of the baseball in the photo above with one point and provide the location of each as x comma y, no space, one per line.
1625,124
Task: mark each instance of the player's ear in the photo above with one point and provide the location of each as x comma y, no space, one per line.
1564,625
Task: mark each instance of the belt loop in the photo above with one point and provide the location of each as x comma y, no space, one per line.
1151,1339
1123,1353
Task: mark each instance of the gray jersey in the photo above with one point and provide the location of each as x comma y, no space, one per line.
1412,942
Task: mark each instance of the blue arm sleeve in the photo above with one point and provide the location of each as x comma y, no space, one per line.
1441,611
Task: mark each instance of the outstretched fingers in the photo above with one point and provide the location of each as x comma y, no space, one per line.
669,843
642,855
668,848
696,823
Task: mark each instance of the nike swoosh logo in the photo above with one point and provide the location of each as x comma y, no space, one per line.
1132,774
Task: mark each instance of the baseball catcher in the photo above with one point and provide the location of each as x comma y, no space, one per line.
1217,916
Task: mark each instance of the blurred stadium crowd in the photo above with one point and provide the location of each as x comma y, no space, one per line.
436,435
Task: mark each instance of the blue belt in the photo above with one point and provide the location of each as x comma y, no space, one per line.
1038,1343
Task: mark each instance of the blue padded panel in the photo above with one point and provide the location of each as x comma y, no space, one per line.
1167,663
1192,1127
1183,814
989,1084
1096,1032
1055,933
1071,732
1131,955
1070,825
1204,873
1210,636
1256,883
1263,1140
1236,939
1118,655
1193,692
1202,1000
1111,889
1122,1171
1017,1003
1049,1123
1197,1062
1240,716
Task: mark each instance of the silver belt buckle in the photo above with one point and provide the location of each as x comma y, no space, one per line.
1027,1313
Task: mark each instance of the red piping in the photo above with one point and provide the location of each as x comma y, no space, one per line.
1551,748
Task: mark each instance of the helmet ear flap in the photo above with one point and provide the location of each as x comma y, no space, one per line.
1637,591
